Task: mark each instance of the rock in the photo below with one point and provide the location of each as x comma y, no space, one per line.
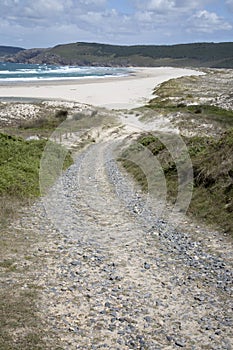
33,137
146,266
180,343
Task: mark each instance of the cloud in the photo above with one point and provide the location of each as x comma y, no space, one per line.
169,5
24,11
93,2
160,5
48,22
208,22
229,4
42,9
144,17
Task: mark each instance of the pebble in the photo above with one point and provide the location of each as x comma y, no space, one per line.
136,291
180,343
146,266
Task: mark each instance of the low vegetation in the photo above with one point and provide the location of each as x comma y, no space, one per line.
15,310
212,161
196,105
43,125
19,166
95,54
201,112
20,325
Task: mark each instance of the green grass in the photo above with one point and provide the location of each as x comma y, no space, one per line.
19,172
212,161
20,163
213,175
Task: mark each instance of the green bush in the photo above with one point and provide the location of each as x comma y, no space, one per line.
19,165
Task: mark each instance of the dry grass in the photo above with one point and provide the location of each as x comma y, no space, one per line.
9,206
21,327
212,161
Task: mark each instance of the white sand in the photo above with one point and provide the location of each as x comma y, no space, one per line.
113,93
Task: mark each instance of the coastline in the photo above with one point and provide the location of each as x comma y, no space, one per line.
118,92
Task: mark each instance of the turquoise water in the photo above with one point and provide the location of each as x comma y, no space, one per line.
30,72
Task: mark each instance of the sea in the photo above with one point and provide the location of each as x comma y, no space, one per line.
19,72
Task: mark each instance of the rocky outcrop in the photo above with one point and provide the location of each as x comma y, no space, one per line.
25,56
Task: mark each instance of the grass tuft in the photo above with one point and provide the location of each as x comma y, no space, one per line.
19,173
212,161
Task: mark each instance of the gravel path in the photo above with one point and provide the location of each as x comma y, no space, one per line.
114,276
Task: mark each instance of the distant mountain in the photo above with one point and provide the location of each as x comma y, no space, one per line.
218,55
6,51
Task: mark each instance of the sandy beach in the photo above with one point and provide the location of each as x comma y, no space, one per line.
113,93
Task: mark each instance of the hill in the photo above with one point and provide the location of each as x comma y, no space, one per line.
215,55
9,50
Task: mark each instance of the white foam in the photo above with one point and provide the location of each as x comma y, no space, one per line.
20,72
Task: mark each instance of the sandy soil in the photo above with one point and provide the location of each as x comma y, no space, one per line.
106,272
113,93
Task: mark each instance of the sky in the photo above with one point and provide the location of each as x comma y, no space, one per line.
46,23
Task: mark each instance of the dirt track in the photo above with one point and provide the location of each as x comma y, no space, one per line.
114,276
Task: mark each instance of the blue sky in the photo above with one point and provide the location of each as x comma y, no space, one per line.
45,23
